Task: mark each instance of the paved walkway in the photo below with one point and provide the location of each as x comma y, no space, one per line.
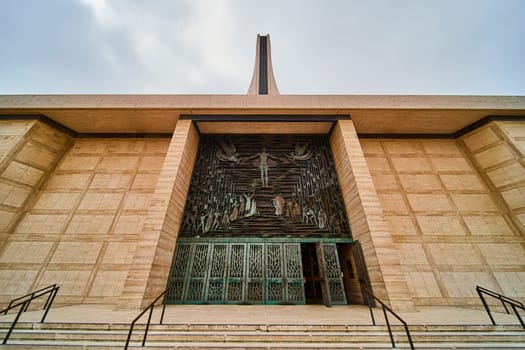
268,314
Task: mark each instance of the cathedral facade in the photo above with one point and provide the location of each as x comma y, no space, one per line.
262,198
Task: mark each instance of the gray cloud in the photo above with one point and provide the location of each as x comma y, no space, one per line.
208,46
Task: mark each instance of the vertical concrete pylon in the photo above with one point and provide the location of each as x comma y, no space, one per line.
263,81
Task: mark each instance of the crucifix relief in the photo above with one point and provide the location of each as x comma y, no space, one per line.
264,186
263,165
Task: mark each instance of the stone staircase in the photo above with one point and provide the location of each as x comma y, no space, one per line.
32,335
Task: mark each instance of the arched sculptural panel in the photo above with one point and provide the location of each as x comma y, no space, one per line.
264,186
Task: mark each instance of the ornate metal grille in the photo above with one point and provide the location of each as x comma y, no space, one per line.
268,185
254,273
217,274
333,269
179,272
235,285
255,291
333,280
274,273
274,268
197,275
294,274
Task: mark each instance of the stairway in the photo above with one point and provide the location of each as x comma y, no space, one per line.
29,335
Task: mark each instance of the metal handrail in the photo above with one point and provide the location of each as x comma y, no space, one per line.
514,304
385,309
52,290
150,307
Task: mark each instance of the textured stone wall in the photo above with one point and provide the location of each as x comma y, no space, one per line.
366,217
497,151
151,263
81,229
450,226
29,151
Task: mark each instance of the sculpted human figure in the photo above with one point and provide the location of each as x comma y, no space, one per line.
253,207
209,222
310,217
289,210
322,218
296,213
202,223
248,205
278,204
225,221
216,221
263,165
235,212
304,219
242,206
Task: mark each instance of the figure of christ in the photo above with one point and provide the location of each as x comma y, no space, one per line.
263,165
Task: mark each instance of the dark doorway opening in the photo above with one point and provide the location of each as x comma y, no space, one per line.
351,279
312,278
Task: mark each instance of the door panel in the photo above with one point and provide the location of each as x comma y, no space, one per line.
274,273
255,280
197,278
179,272
294,274
217,274
330,271
236,274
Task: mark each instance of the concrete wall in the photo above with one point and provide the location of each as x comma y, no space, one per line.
29,151
100,216
366,217
451,227
82,227
151,262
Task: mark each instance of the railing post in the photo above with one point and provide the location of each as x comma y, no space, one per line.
150,308
388,327
129,336
49,302
504,305
485,305
162,314
370,308
49,297
409,337
20,312
147,325
518,315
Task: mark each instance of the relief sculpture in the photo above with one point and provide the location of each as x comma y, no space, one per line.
264,186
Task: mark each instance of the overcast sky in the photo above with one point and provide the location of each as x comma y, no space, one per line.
465,47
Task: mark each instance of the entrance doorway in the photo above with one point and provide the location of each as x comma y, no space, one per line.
312,278
323,279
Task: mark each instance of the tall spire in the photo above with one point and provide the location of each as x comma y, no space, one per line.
263,81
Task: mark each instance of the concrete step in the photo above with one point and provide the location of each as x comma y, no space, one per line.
257,327
29,335
255,336
255,346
